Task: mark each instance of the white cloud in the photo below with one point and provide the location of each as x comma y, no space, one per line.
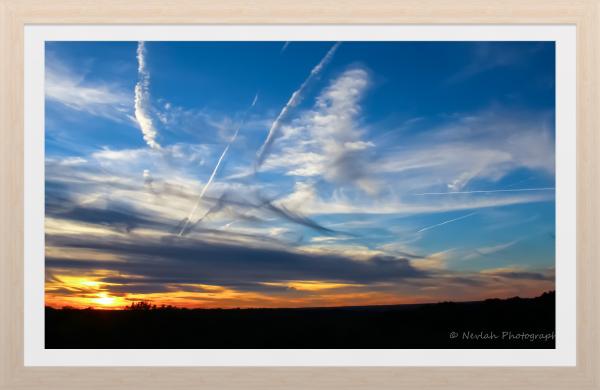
497,248
70,88
489,250
435,261
142,100
73,161
173,159
326,141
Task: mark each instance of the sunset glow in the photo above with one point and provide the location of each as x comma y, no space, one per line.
104,300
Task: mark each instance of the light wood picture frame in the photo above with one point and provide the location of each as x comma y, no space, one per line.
15,15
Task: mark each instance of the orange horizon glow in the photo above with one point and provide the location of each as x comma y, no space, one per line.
91,291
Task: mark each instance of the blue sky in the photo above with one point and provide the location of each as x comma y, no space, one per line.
366,172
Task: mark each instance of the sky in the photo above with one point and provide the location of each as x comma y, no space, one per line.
298,174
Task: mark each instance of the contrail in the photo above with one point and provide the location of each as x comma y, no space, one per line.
142,96
487,191
283,212
216,169
445,222
294,100
285,45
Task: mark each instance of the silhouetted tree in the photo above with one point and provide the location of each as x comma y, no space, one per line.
140,306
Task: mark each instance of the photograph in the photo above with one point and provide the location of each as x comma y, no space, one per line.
299,194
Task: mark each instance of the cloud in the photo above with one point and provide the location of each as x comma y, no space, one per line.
142,100
203,124
117,181
326,141
112,178
469,147
520,273
96,223
114,216
293,101
71,89
255,208
326,144
297,218
497,248
306,198
187,156
73,161
146,268
198,261
490,250
486,57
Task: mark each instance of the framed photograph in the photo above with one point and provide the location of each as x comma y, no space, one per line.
267,195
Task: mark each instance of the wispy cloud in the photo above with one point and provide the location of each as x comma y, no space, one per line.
489,250
479,146
70,88
142,100
485,58
294,100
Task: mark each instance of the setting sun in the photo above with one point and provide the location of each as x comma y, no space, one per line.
104,299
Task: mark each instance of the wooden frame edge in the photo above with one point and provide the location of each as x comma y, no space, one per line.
15,14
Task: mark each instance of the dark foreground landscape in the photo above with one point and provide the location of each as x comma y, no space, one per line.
494,323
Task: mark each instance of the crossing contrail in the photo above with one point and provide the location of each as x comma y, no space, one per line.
294,100
445,222
488,191
216,169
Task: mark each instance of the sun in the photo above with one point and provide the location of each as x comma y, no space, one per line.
104,300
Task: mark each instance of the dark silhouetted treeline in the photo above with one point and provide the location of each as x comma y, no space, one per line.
493,323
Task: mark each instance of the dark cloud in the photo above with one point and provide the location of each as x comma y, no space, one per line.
60,204
522,275
139,288
299,219
468,281
117,217
412,256
350,167
195,261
